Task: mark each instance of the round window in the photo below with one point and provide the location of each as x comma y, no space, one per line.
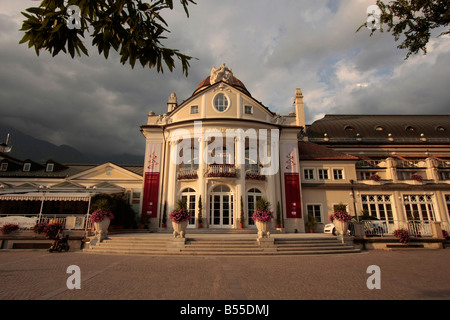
221,102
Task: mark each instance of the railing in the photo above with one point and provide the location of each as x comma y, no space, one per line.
187,173
221,170
368,163
252,172
73,222
410,163
387,227
445,226
443,164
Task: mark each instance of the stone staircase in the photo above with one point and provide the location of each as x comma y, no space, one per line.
219,246
326,245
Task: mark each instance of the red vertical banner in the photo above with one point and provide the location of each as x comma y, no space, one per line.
292,180
151,192
292,189
151,179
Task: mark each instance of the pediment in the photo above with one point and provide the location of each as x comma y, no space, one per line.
68,185
207,105
107,171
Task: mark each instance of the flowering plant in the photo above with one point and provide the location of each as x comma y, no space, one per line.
402,235
51,230
229,174
416,177
254,176
262,215
375,177
179,215
9,227
39,227
340,216
188,176
99,214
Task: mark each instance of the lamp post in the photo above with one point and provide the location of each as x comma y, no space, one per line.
352,193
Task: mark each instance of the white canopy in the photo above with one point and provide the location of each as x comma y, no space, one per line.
47,196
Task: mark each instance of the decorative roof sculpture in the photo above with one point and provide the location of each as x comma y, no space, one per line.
223,73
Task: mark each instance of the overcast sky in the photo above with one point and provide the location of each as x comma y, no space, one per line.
98,105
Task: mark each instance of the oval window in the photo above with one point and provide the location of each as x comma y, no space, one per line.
221,102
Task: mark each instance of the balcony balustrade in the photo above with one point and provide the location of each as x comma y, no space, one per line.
187,173
221,171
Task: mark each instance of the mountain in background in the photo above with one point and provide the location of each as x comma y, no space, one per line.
27,147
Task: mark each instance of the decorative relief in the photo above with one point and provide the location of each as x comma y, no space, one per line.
223,73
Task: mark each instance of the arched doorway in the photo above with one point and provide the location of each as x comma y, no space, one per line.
253,195
221,209
189,196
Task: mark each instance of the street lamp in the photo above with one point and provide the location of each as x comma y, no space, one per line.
352,194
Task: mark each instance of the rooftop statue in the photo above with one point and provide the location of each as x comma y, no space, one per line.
223,73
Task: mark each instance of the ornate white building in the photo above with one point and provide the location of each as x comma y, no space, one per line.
224,149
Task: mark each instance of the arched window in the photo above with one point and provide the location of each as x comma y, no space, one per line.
188,195
221,188
251,160
253,195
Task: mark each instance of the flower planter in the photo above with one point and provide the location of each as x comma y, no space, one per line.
101,229
179,229
262,229
341,227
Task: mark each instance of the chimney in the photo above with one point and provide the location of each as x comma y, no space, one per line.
172,103
299,109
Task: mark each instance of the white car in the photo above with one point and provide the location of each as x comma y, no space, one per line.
329,228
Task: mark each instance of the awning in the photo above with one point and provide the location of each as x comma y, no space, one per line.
47,196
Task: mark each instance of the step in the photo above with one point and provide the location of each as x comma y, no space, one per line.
314,248
219,246
312,252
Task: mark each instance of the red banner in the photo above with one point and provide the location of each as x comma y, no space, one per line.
151,192
292,180
292,189
151,179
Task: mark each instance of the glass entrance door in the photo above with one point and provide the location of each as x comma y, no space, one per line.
188,196
221,208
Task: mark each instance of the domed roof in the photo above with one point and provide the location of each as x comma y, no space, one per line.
236,83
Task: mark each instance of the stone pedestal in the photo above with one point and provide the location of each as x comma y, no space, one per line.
263,229
179,229
101,229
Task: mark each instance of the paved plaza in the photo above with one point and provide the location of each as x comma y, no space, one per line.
404,274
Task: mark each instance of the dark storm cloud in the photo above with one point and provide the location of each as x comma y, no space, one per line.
97,105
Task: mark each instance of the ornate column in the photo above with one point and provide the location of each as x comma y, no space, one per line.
171,178
240,180
202,182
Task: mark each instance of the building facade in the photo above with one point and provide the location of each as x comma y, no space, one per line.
400,173
53,190
220,150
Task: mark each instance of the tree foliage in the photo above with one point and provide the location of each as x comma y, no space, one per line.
133,28
414,20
